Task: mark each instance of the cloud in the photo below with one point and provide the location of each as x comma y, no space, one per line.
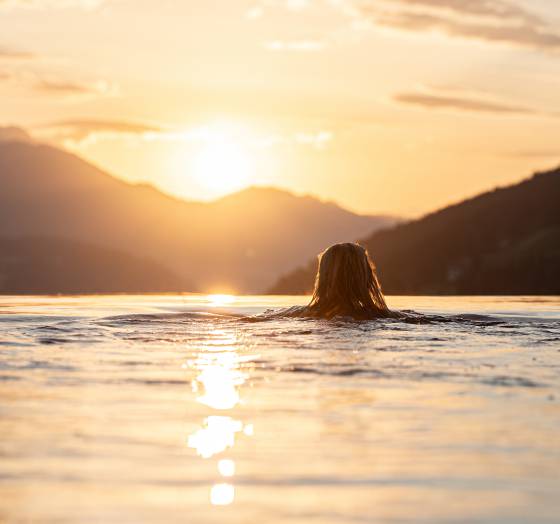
484,8
72,89
9,53
494,21
91,130
55,86
29,77
84,132
87,131
305,46
438,101
69,89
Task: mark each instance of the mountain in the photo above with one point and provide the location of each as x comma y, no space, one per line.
53,265
241,242
506,241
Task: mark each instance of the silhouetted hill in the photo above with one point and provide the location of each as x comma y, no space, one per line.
241,242
54,265
506,241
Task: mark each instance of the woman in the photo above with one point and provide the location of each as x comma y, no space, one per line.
346,285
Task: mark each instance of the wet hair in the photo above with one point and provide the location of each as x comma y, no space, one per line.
346,284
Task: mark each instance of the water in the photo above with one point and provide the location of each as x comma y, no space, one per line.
165,409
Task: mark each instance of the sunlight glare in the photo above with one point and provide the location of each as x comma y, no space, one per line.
216,436
224,164
219,374
220,299
220,384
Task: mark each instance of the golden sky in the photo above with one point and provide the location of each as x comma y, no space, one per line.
385,106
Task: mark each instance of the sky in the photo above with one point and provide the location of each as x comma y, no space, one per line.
384,106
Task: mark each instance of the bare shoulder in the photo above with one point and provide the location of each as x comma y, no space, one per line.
270,314
292,311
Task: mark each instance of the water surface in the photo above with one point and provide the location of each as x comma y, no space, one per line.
168,409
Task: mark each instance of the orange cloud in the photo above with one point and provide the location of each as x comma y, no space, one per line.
8,52
435,101
85,129
65,87
495,21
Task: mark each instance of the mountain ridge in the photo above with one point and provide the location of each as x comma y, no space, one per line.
477,246
240,242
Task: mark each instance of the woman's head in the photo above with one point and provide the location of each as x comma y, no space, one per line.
346,284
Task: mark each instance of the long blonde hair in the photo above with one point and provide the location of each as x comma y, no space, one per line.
346,284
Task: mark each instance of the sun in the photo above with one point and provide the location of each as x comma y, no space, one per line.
223,164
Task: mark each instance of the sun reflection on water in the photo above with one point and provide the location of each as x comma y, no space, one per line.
219,381
217,384
219,375
216,435
221,299
222,494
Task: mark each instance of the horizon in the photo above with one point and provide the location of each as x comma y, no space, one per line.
389,107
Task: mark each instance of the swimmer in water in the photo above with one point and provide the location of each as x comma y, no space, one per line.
346,285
